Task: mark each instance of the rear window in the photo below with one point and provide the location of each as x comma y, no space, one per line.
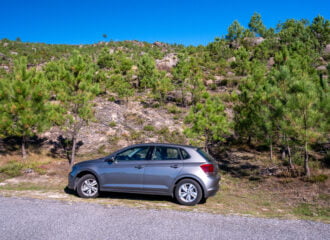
205,155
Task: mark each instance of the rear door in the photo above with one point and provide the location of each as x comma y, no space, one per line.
162,169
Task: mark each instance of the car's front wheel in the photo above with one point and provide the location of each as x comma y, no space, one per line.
188,192
88,186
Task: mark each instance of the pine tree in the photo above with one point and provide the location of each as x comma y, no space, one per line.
147,72
256,25
24,106
162,87
208,121
72,81
235,31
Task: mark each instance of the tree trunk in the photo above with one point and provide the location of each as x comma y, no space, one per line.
290,158
283,153
24,147
249,140
73,151
271,151
307,170
206,146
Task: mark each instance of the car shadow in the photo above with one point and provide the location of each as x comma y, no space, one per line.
129,196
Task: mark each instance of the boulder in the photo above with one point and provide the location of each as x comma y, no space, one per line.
218,79
271,62
209,82
232,59
160,44
176,96
254,41
168,62
326,50
321,68
230,74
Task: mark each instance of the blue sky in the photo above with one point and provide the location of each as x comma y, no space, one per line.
182,21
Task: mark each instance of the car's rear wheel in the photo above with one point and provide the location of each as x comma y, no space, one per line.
88,187
188,192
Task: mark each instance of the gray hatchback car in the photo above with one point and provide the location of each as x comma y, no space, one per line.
184,172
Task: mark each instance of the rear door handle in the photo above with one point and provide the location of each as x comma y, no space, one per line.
139,166
174,166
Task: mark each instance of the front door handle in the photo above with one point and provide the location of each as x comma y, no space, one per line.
139,166
174,166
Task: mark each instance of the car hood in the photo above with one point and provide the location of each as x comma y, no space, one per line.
93,161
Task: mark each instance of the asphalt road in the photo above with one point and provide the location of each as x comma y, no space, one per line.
45,219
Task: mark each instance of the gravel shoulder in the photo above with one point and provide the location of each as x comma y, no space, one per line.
23,218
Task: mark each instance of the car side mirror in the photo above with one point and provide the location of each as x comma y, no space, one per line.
112,159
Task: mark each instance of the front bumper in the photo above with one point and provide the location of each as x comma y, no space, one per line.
71,182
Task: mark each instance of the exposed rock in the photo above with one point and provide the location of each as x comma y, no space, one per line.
167,63
218,79
176,96
321,68
230,74
135,42
116,126
232,59
326,50
5,44
28,170
13,53
270,62
322,61
160,44
254,41
209,82
5,67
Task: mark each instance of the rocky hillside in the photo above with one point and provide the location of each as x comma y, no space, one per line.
119,124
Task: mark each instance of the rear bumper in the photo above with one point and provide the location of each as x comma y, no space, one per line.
212,186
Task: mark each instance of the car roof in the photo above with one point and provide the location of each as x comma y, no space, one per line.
164,144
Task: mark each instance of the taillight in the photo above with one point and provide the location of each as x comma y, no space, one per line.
208,168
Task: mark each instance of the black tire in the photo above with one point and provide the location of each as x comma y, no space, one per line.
88,187
188,192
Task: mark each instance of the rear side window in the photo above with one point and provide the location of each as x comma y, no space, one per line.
205,155
184,154
166,153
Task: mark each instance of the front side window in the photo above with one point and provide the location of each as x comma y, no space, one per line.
132,154
166,153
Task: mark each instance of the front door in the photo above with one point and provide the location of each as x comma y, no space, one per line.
125,173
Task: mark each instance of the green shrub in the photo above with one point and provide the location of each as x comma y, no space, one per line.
112,124
149,128
317,178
